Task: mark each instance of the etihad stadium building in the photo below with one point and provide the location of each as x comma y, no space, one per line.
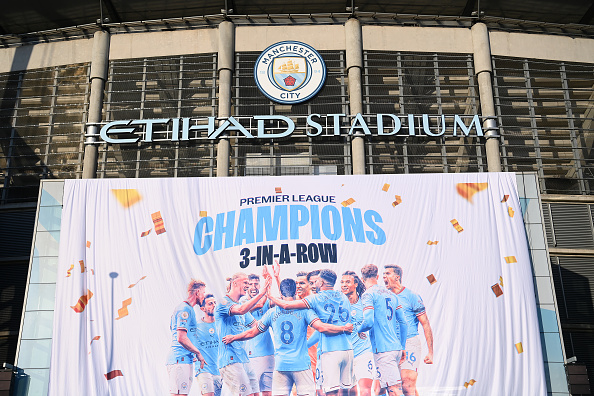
153,90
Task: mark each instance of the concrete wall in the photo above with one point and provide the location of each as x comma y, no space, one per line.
321,37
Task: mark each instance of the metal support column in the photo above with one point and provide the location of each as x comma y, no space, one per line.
99,63
484,71
225,69
354,64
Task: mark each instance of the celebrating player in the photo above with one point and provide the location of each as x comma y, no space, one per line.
336,350
304,290
260,348
414,312
207,340
311,279
380,312
232,317
181,355
292,365
363,363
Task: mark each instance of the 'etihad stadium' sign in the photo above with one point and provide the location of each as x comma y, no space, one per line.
290,72
279,126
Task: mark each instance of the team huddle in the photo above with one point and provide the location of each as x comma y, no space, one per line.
361,340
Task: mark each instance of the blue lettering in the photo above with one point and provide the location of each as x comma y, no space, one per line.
331,227
275,228
353,223
202,239
245,227
377,236
299,217
226,230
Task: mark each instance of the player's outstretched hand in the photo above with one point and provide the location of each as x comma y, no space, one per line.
348,328
267,284
428,359
202,361
276,269
228,339
265,272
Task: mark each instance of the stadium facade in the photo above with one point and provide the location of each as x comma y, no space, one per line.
528,74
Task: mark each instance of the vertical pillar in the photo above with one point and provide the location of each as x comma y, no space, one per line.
99,63
354,65
484,71
225,67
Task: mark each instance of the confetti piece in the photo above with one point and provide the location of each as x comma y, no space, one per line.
348,202
88,244
497,290
278,190
467,190
203,213
519,347
134,284
432,242
431,279
398,200
469,383
82,266
158,222
70,271
112,374
82,302
510,259
92,271
457,226
510,211
96,338
145,233
122,312
505,198
501,281
127,197
386,187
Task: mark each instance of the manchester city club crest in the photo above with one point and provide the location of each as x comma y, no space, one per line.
290,72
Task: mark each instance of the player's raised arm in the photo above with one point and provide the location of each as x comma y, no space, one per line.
247,306
246,335
327,328
285,304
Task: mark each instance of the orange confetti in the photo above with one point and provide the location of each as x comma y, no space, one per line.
278,190
510,211
456,225
510,259
92,271
158,222
203,213
88,244
127,197
431,279
134,284
467,190
145,233
432,242
82,266
70,271
122,312
348,202
82,302
398,200
386,187
519,347
505,198
112,374
501,281
469,383
497,290
96,338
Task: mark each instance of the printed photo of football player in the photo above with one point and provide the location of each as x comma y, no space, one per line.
207,339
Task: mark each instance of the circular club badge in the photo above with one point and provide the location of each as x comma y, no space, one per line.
290,72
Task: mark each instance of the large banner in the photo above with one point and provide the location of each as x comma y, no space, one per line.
451,248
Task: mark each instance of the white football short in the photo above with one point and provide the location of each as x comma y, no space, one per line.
319,374
236,379
388,372
413,354
364,367
283,382
263,366
209,383
338,370
180,378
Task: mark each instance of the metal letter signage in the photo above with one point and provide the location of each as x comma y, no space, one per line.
290,72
